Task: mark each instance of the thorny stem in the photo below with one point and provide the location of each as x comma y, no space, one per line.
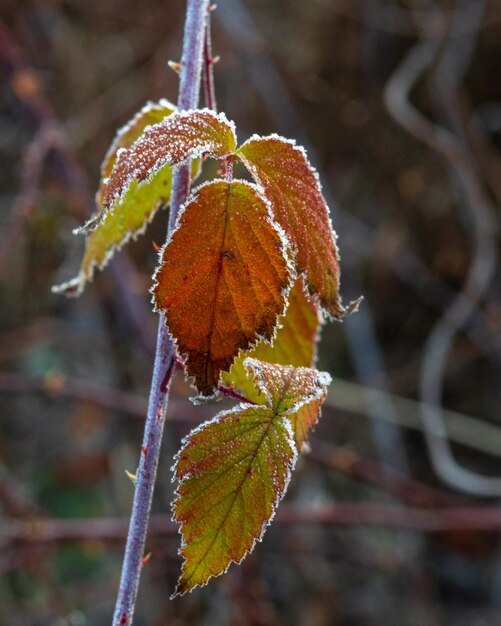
210,91
165,356
208,72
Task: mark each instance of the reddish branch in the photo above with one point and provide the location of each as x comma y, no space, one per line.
342,460
208,67
57,385
346,514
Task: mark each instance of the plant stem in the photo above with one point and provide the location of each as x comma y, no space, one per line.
165,356
208,68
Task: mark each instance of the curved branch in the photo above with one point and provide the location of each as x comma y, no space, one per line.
479,276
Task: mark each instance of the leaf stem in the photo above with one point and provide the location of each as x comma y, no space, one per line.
227,167
165,355
229,392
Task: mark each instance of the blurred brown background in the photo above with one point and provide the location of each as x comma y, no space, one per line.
395,530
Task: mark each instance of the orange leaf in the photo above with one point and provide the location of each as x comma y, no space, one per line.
223,279
234,469
294,343
182,135
293,188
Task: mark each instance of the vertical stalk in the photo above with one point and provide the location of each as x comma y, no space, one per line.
189,87
208,68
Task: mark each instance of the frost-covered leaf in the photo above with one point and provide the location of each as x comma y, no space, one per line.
180,136
128,219
294,344
234,470
294,190
151,113
223,279
108,231
297,392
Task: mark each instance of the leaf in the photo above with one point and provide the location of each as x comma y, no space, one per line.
297,392
234,470
151,113
224,278
108,231
294,344
129,219
182,135
293,188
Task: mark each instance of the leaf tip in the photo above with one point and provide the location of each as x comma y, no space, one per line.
71,288
338,312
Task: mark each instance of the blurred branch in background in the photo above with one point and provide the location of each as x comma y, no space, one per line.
370,534
343,514
49,137
483,265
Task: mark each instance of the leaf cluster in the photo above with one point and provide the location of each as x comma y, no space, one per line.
242,282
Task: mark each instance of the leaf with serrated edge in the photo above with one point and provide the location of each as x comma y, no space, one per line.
128,219
108,231
180,136
152,113
297,392
294,344
293,188
234,470
223,279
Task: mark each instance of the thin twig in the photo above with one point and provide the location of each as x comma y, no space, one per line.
341,514
208,68
165,357
26,204
466,430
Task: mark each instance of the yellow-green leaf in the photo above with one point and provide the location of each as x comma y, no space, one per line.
108,231
128,220
294,344
234,469
151,113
